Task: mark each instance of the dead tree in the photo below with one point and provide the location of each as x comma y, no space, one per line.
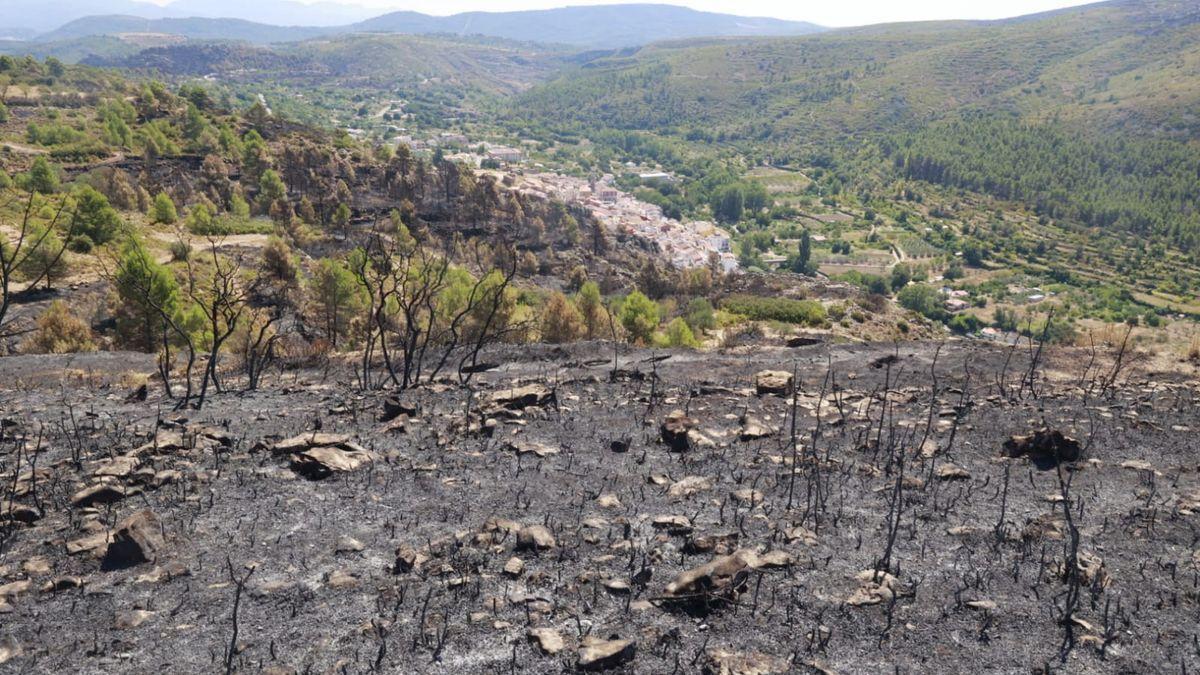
421,311
221,294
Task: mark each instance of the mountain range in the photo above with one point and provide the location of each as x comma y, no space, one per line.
597,26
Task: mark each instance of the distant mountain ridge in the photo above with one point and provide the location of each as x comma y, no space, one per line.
33,17
596,26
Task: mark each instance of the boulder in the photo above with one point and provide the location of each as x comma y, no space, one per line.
952,472
517,398
9,649
674,430
776,382
101,493
547,639
753,429
514,567
605,654
310,440
321,462
137,539
688,486
535,448
874,588
721,577
1045,444
535,537
393,407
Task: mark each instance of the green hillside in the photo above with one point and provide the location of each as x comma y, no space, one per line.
1108,91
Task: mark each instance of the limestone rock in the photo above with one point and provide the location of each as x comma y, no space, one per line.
674,430
776,382
137,539
720,577
514,567
132,618
535,537
725,662
321,462
518,398
605,654
547,639
101,493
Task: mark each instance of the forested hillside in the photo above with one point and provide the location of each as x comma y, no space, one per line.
1089,114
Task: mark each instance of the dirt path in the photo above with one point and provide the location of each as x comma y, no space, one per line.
21,149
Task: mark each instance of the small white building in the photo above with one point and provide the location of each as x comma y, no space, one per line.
508,155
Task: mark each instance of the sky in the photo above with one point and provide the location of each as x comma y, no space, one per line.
824,12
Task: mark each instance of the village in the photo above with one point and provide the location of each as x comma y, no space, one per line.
683,244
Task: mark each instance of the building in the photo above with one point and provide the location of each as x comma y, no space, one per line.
656,178
508,155
607,194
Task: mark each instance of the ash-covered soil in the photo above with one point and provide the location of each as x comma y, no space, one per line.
662,518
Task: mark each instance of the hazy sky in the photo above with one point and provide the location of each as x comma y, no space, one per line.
835,13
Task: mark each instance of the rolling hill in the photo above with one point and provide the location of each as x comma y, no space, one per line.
590,26
1088,114
600,26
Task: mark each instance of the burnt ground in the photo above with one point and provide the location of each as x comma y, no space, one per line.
404,563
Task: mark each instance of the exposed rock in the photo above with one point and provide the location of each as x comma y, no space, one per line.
776,382
804,341
617,586
409,559
137,539
117,467
774,560
721,544
518,398
605,654
547,639
14,588
310,440
341,579
101,493
874,588
59,584
725,662
753,429
677,525
36,565
321,462
9,649
688,486
514,567
1048,444
982,605
95,542
747,497
128,619
21,514
674,430
535,537
721,577
608,501
952,472
348,545
393,407
537,449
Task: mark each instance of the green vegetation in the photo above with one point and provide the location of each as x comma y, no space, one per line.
799,312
